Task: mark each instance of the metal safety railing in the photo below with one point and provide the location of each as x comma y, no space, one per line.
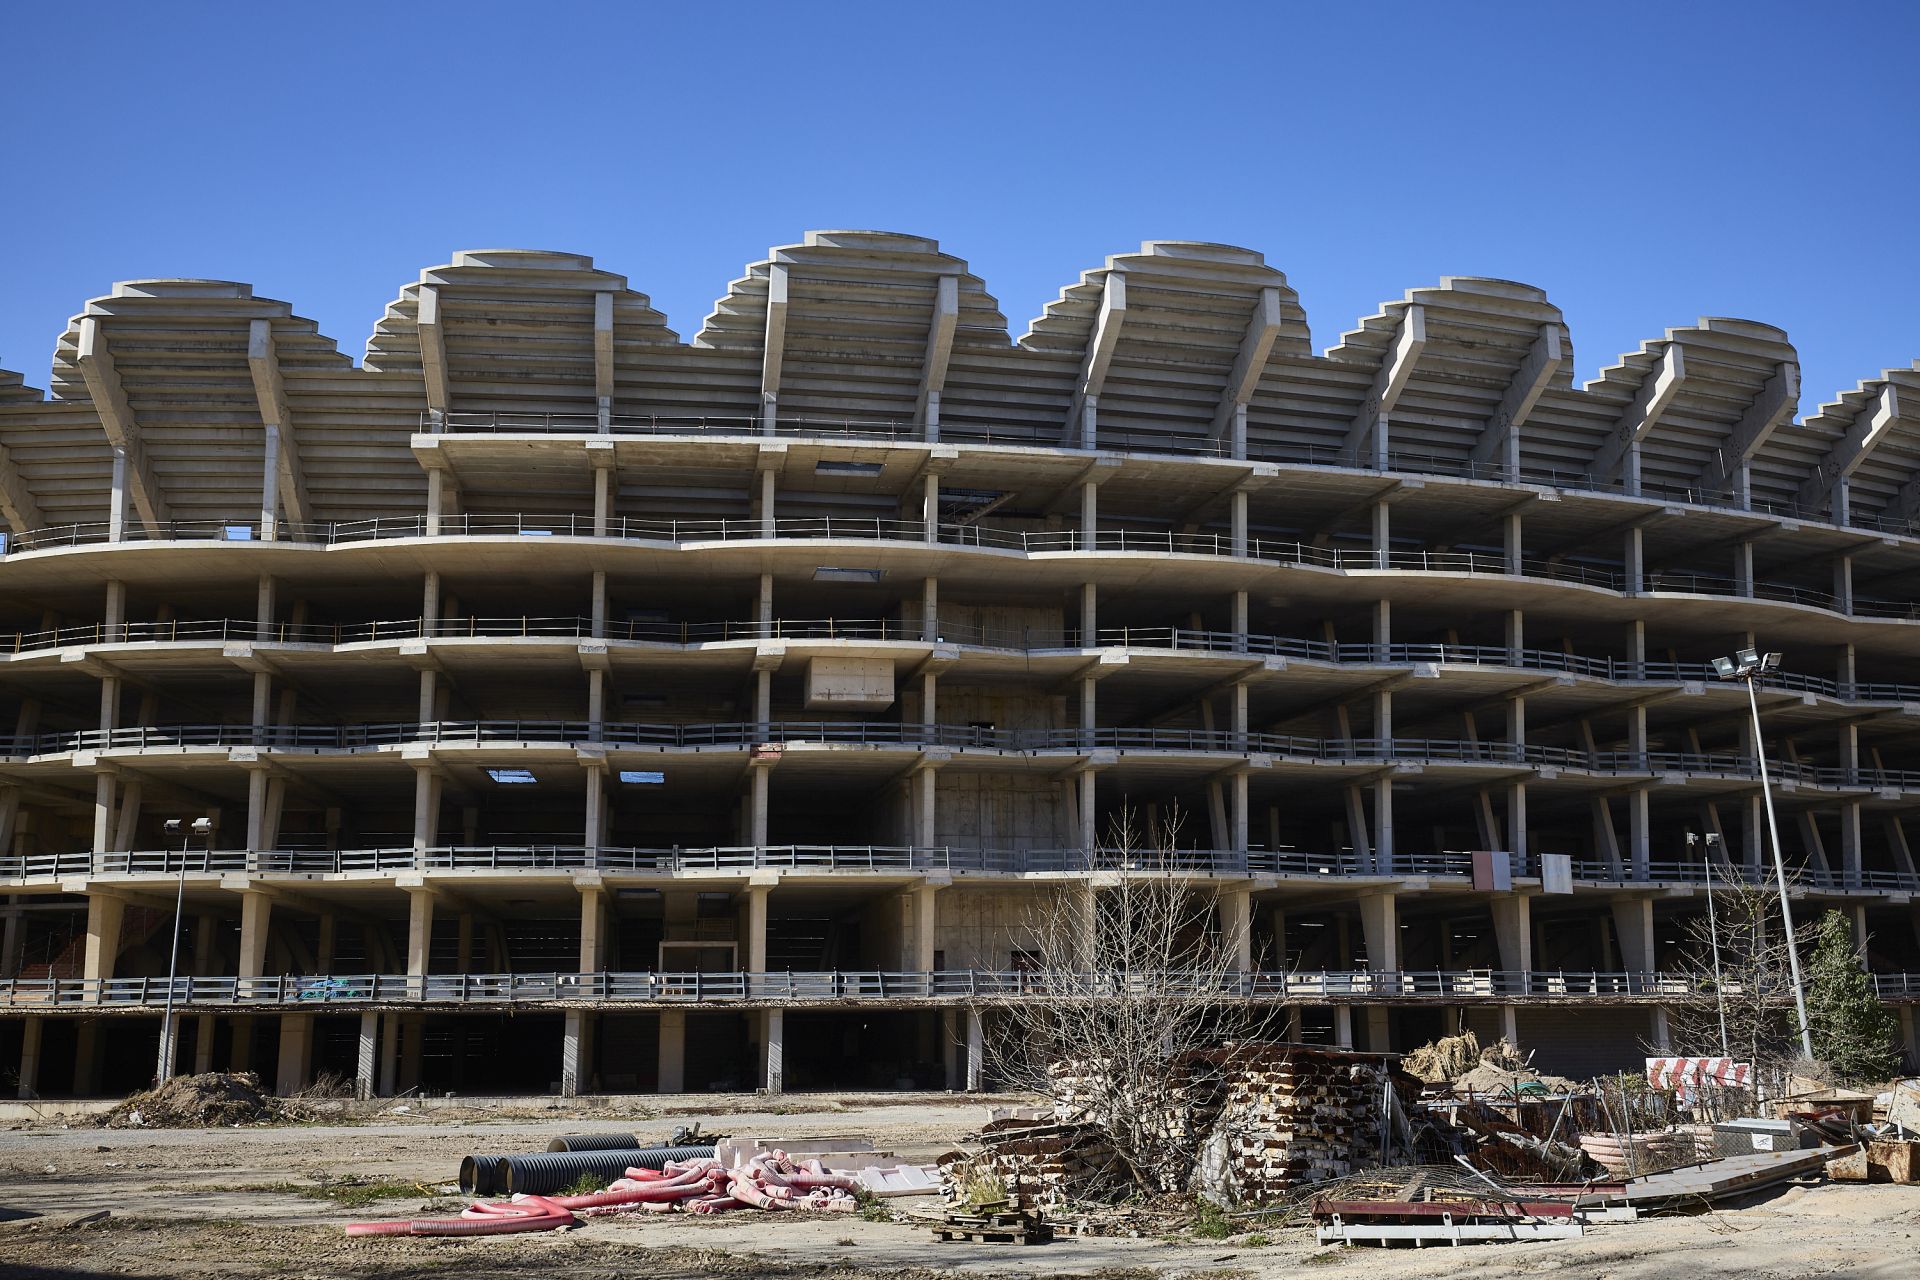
312,992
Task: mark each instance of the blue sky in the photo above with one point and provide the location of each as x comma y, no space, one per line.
1646,165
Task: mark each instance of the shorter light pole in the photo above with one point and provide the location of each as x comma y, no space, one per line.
1713,939
163,1069
1749,665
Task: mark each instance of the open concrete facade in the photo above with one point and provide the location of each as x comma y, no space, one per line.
582,709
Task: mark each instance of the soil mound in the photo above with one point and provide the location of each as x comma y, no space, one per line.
213,1100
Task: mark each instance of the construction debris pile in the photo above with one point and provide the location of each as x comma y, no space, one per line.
216,1099
728,1174
1291,1115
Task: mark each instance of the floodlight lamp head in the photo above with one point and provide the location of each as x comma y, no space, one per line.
202,826
1713,839
1724,668
1692,839
171,826
1747,657
1770,663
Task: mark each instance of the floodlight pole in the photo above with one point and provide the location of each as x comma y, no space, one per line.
1749,674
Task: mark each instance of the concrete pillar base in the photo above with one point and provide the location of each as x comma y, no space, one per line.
296,1052
673,1052
773,1043
30,1057
976,1053
366,1059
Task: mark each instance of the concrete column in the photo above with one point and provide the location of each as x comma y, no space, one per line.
413,1033
757,809
256,915
29,1083
1659,1032
1236,926
104,915
576,1068
930,509
1089,819
1510,1025
1843,582
104,781
673,1051
436,499
756,956
390,1056
763,612
917,956
1343,1026
419,938
1380,923
1382,531
1513,931
1383,825
1239,623
925,789
296,1052
768,525
426,808
602,501
593,821
366,1059
1743,569
1512,543
950,1046
773,1050
1633,931
203,1044
1639,831
1517,820
1635,554
1516,636
1089,515
1239,522
976,1053
930,609
593,929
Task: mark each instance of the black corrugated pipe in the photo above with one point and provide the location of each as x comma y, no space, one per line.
480,1176
551,1171
595,1142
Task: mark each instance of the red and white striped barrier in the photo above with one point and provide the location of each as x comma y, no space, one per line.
1682,1073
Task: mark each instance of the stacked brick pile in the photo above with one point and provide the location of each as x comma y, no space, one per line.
1294,1115
1042,1165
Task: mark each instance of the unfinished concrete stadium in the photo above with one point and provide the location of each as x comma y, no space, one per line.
577,708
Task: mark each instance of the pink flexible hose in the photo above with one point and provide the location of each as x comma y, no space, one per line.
535,1213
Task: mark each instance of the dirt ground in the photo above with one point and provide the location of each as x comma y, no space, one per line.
188,1203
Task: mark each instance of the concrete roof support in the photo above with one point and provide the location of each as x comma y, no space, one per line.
1618,458
775,350
433,351
17,504
603,358
117,420
933,369
1370,423
1262,328
1093,368
1500,442
1770,409
282,470
1827,486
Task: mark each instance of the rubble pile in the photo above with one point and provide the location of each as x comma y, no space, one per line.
1471,1068
215,1099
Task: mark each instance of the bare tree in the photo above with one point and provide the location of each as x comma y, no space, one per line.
1751,986
1134,971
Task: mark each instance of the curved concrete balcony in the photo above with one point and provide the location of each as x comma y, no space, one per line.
900,860
887,735
961,636
820,530
1164,444
858,987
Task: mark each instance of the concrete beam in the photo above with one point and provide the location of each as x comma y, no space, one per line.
603,350
1773,407
1395,370
933,368
1642,414
1500,442
1263,327
1870,426
774,353
17,504
283,473
1101,343
433,350
117,420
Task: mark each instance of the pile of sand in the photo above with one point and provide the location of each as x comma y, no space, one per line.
215,1099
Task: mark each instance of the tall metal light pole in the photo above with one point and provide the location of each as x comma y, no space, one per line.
163,1068
1748,665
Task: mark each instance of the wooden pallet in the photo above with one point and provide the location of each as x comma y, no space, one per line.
994,1228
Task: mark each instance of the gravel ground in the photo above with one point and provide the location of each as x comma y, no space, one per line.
188,1203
